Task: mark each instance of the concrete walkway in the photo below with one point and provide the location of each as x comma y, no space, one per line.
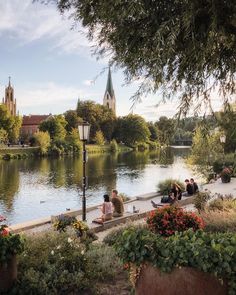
142,203
222,188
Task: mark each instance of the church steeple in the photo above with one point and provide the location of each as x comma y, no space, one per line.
109,99
10,101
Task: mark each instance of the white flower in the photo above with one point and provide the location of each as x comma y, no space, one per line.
82,252
52,252
58,247
69,240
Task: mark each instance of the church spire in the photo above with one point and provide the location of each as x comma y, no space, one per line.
109,87
9,84
109,99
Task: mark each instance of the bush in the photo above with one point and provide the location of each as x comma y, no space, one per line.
111,238
167,220
213,253
200,200
164,186
142,146
153,145
114,146
54,263
219,221
7,156
99,138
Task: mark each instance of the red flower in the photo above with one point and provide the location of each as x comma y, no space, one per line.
5,232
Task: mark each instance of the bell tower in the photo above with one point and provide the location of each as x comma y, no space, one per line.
109,99
9,100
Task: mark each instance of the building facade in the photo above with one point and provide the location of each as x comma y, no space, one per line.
30,124
9,100
109,99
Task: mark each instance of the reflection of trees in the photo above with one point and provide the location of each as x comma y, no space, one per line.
166,156
9,182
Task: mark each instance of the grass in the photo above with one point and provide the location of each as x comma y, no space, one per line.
94,148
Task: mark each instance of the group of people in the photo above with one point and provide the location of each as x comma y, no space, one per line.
176,192
112,207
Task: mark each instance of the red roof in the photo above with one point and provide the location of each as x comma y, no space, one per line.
34,119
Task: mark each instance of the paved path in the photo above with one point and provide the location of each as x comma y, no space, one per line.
222,188
142,203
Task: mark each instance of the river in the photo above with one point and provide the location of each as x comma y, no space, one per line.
34,188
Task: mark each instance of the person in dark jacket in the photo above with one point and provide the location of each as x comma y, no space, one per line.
188,189
195,186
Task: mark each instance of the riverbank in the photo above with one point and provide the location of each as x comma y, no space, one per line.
8,153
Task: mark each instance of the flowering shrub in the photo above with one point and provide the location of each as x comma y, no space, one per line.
64,221
10,244
169,219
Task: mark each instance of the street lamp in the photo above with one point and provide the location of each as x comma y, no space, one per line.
84,129
223,140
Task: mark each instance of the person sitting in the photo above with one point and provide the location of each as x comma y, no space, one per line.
106,209
189,189
174,194
117,204
195,186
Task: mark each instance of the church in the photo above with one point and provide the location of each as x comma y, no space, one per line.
9,100
31,123
109,99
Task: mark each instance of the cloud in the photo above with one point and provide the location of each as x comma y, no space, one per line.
88,82
28,22
50,98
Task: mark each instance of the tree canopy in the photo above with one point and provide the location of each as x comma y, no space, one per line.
9,125
182,48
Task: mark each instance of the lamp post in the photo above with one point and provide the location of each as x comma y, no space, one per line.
223,140
84,129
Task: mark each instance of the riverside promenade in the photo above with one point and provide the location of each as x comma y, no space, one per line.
141,203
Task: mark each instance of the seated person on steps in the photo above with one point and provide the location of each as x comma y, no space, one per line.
106,209
195,186
188,189
175,194
118,205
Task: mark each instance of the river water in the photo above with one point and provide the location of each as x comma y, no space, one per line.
34,188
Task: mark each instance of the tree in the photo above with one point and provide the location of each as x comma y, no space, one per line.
182,47
14,132
166,130
55,126
3,136
11,124
74,140
100,118
205,148
133,129
227,122
153,131
42,139
99,138
72,120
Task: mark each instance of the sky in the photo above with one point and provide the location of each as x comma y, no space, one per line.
51,65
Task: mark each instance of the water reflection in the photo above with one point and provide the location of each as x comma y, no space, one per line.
33,188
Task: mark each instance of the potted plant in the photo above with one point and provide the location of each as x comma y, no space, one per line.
226,175
10,245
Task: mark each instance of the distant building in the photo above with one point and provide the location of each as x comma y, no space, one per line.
30,124
9,99
109,99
